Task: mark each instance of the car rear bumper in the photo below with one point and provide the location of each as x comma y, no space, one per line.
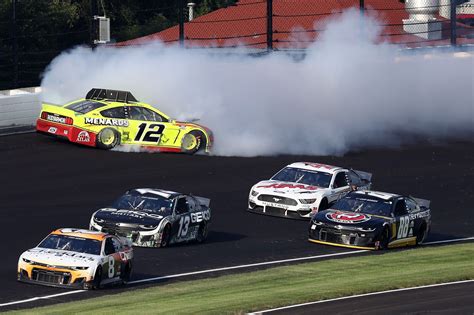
69,132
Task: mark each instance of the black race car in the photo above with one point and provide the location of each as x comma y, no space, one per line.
155,218
372,220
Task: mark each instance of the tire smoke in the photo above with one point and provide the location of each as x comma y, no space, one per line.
347,92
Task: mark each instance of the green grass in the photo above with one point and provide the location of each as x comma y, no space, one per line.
286,285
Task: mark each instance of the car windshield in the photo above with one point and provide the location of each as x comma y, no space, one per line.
145,202
298,175
85,106
72,243
364,204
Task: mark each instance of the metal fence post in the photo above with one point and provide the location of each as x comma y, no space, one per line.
453,22
15,45
269,24
181,22
93,23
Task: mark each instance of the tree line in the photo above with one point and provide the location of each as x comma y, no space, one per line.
33,32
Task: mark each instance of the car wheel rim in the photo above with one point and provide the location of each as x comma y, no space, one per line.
189,142
107,137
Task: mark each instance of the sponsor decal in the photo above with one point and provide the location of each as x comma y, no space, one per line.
290,186
106,122
52,129
57,119
83,136
344,217
197,217
419,215
318,165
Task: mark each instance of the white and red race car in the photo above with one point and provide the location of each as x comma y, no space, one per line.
303,188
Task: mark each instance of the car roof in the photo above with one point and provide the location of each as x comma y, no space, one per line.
156,191
313,166
81,233
376,194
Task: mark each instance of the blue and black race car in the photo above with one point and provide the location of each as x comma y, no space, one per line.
372,220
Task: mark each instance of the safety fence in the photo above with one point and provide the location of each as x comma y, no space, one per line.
28,43
295,24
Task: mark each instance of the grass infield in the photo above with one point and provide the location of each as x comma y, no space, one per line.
285,285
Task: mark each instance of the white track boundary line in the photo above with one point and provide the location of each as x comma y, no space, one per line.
43,297
360,295
248,266
225,269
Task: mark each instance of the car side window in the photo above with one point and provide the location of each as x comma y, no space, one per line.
400,208
354,178
182,206
192,205
142,113
116,112
340,180
411,205
109,246
117,245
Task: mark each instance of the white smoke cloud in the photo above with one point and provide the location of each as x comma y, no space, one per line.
347,92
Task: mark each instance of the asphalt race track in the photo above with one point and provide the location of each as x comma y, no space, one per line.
47,184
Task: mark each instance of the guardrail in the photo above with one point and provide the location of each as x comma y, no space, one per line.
19,109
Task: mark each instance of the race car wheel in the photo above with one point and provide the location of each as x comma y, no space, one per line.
420,238
202,233
193,142
165,236
107,138
323,205
97,280
383,240
126,273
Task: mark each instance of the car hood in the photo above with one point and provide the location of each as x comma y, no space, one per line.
349,219
288,188
56,257
127,216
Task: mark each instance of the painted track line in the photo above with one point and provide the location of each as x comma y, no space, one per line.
360,295
248,266
267,263
43,297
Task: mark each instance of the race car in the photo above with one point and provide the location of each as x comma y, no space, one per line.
372,220
76,258
108,118
303,188
155,217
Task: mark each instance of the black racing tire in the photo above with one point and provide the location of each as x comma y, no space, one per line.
107,138
384,239
193,142
202,232
323,205
422,233
126,273
95,284
165,236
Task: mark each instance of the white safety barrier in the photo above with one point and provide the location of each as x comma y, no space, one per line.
20,107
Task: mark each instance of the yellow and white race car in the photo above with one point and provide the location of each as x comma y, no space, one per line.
75,258
108,118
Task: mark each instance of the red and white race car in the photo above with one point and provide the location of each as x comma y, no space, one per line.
303,188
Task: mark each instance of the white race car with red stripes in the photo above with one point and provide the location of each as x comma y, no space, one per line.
303,188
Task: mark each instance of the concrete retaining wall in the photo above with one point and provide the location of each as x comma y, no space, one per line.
19,108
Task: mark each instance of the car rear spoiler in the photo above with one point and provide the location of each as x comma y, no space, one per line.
203,201
423,203
364,175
